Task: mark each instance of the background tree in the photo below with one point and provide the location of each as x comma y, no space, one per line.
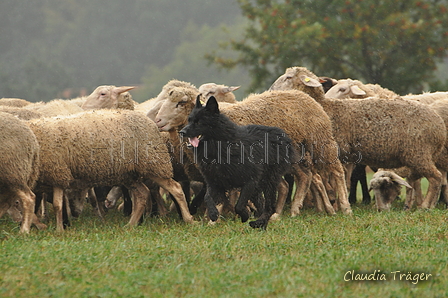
393,43
47,46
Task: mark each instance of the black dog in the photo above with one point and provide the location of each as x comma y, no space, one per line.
253,158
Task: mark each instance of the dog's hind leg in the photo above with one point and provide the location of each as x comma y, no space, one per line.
269,206
247,193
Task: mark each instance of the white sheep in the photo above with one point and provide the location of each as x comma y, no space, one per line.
109,97
104,147
19,167
386,133
14,102
153,105
222,93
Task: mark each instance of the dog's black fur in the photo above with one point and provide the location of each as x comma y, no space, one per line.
230,156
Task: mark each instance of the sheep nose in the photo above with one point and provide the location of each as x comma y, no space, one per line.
158,120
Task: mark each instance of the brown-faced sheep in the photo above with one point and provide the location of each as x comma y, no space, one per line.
109,97
295,112
386,133
19,167
222,93
387,187
104,147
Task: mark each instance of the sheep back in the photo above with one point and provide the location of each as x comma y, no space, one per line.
14,102
405,129
103,147
19,161
299,115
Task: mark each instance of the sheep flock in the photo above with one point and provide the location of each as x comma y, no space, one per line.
105,147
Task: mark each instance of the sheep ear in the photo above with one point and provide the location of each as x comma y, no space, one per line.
212,105
230,89
122,89
357,91
397,179
310,82
198,101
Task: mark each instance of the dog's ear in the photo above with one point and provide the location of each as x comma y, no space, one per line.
198,101
212,105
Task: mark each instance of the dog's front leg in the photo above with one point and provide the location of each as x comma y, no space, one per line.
247,193
210,203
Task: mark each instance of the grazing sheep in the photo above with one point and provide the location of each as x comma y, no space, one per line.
104,147
386,133
109,97
19,167
221,93
387,187
295,112
14,102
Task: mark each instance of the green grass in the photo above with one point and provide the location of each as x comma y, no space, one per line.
306,256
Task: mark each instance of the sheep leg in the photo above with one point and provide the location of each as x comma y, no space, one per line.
322,197
317,197
337,173
176,191
27,199
58,197
435,183
444,190
99,208
303,177
283,192
139,194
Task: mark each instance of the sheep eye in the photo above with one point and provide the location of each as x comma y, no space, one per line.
342,89
181,103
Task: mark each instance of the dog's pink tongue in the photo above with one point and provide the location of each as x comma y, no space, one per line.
194,141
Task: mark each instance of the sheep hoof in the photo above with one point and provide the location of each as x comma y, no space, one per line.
41,226
347,211
275,217
295,213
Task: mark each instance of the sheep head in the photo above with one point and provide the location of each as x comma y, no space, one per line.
387,187
163,95
108,97
346,89
300,78
222,93
173,114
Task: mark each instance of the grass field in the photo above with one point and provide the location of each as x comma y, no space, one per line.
312,255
